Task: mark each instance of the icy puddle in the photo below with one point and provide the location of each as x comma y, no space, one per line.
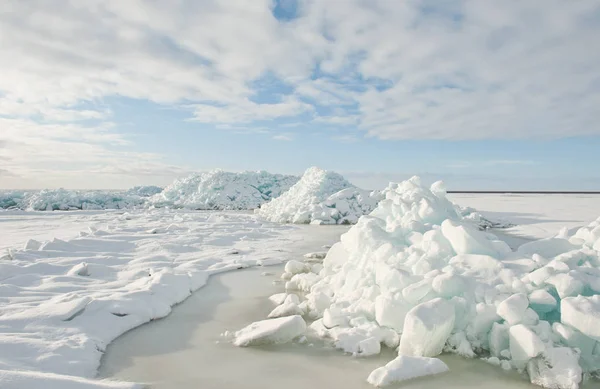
185,349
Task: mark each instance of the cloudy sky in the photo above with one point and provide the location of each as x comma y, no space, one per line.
485,94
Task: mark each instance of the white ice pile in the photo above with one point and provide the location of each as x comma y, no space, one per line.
223,190
320,197
65,200
63,301
416,275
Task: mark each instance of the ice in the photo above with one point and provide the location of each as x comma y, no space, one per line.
368,347
466,239
285,309
15,379
513,309
391,312
64,200
542,302
547,248
524,343
320,197
417,249
558,368
296,267
218,189
499,340
62,301
583,314
405,368
145,191
426,328
281,330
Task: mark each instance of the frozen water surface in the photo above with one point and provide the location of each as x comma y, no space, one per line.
185,349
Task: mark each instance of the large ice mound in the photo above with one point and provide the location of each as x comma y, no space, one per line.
223,190
417,275
320,197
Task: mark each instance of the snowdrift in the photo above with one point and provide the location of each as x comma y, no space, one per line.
320,197
417,275
63,301
220,190
65,200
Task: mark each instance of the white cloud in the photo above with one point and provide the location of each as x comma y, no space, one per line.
419,69
286,136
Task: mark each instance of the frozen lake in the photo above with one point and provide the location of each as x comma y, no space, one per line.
185,349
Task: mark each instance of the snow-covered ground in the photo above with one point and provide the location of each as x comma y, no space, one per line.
535,216
62,301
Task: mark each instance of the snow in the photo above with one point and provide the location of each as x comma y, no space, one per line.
524,343
558,368
583,314
533,216
64,200
513,309
279,330
218,189
62,301
419,269
427,327
320,197
35,380
406,368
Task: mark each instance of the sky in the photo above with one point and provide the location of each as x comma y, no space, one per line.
484,94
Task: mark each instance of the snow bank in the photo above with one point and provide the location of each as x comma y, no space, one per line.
63,301
416,273
320,197
223,190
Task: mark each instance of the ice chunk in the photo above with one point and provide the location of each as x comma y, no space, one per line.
391,312
575,339
368,347
466,239
524,343
513,308
278,298
333,317
281,330
405,368
448,285
541,301
426,328
286,309
32,244
583,314
539,276
498,339
296,267
557,368
566,285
